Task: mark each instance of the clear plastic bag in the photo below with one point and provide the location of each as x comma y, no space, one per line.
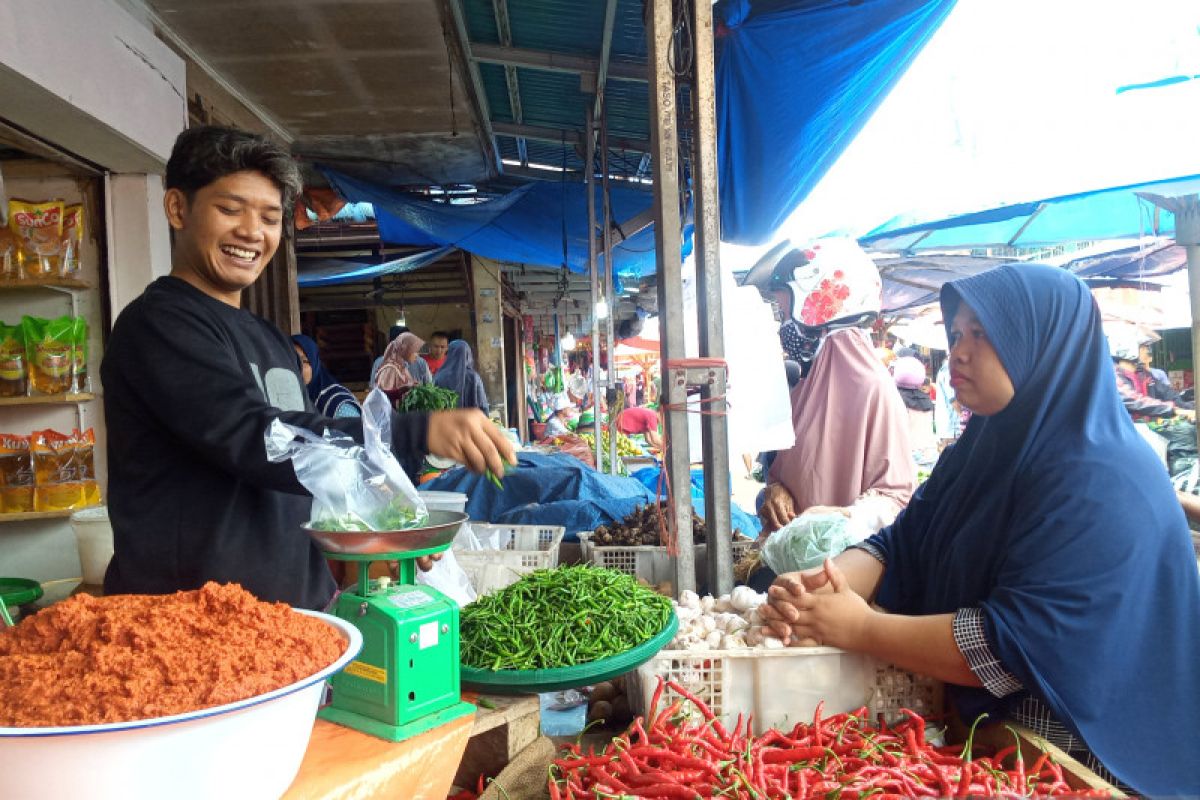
806,541
354,487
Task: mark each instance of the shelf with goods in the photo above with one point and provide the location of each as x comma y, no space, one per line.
25,516
38,539
66,398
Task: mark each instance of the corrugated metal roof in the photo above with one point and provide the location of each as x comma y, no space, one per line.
552,99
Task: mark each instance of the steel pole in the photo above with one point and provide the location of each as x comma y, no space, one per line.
590,182
714,425
664,138
611,378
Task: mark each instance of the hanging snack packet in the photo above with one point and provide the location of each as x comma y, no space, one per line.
79,356
50,350
72,240
16,474
14,373
55,477
85,465
39,230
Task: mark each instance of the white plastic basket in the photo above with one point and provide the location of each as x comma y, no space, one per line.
526,548
782,687
651,563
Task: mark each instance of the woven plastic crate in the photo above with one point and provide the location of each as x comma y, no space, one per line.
527,548
651,563
782,687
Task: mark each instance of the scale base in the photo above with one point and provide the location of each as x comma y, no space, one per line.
396,733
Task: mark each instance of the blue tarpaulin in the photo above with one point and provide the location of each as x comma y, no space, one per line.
558,489
1118,213
331,271
796,81
524,226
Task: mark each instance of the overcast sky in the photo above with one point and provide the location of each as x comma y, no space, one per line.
1014,101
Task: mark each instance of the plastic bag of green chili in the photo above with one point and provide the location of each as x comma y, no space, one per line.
559,618
354,487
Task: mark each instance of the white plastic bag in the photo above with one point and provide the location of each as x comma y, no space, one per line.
449,578
353,487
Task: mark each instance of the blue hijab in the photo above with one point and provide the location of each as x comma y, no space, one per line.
458,374
328,396
1059,521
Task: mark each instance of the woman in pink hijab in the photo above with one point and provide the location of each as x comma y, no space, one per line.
852,450
396,373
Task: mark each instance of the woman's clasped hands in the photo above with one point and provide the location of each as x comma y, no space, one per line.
818,607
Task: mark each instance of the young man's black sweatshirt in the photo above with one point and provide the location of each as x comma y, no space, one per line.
190,386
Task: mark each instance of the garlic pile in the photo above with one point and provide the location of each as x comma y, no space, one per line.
729,622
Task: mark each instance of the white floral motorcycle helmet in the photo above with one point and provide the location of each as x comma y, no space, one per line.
836,285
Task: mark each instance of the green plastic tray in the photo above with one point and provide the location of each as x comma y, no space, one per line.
532,681
19,591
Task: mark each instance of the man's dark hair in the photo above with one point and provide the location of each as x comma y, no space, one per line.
395,331
442,334
208,153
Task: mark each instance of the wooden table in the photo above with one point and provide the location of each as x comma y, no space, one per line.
342,763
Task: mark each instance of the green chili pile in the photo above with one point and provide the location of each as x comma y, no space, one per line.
559,618
427,397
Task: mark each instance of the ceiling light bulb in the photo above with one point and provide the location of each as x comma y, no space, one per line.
568,342
601,309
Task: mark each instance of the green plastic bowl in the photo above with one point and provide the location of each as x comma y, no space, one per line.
532,681
19,591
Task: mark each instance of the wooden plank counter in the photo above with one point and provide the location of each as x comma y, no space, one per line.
342,763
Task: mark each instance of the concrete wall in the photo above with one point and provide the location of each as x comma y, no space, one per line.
89,77
489,331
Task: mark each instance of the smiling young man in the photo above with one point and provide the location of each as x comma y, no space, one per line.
191,382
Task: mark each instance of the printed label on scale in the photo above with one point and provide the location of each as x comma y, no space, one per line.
428,636
409,599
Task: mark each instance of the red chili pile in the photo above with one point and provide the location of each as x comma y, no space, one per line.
839,756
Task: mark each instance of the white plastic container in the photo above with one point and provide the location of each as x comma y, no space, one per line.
248,750
783,687
444,501
523,549
94,537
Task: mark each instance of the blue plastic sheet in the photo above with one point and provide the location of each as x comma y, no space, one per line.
796,81
741,521
525,225
547,490
1118,213
332,271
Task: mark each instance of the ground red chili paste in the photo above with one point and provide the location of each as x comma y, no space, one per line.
92,660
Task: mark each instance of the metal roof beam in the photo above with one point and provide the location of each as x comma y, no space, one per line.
610,16
500,10
558,135
477,96
554,62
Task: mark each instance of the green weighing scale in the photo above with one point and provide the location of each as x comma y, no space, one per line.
405,679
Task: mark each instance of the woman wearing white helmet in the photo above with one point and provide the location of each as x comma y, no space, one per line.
852,448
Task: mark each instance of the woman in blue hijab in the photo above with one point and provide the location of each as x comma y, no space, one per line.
1045,569
328,396
458,374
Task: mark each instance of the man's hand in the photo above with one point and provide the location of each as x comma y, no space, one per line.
470,438
778,508
837,617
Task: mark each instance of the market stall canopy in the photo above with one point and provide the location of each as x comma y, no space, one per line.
796,81
912,282
526,225
1117,213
